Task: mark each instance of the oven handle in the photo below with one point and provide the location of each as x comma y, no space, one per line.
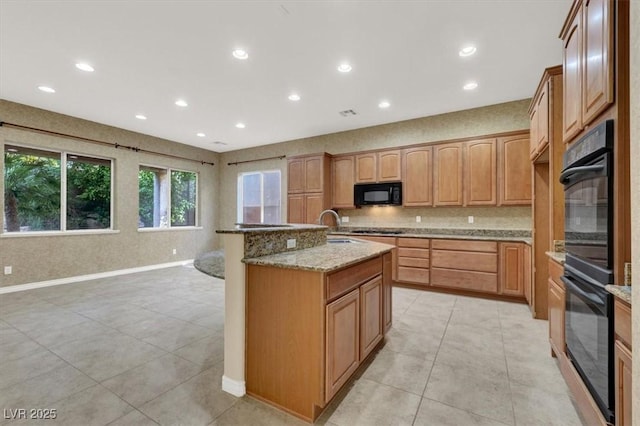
581,293
564,176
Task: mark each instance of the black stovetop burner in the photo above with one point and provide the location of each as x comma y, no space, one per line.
375,231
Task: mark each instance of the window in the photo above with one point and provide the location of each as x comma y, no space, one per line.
53,191
259,197
167,197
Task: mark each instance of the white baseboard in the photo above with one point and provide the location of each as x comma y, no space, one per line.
234,387
79,278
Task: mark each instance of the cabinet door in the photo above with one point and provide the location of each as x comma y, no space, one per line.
571,78
417,186
480,173
447,175
389,166
623,384
597,59
313,207
313,174
527,273
343,341
542,124
511,269
343,180
514,171
295,175
366,168
533,129
370,316
387,290
295,209
556,303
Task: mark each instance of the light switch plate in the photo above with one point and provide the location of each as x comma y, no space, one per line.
418,219
345,219
8,270
470,219
291,243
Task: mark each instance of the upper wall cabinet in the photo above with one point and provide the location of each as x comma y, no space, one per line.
308,174
480,173
587,62
514,170
342,174
383,166
417,166
539,114
447,174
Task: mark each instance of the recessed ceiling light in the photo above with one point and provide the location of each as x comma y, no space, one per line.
141,117
344,67
181,103
240,125
240,54
467,51
84,67
200,135
47,89
384,104
294,97
470,85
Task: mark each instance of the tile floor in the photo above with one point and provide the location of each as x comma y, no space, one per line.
147,348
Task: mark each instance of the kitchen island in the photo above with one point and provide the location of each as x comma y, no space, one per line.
311,317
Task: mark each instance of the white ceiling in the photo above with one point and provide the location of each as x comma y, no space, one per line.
147,54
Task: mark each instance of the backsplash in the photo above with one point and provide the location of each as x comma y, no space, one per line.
440,217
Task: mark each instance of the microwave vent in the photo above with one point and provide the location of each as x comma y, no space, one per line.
347,112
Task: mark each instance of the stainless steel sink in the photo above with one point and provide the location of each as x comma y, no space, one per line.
341,241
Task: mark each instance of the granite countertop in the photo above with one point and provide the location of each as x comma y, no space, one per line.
444,233
558,256
323,258
621,291
250,228
211,263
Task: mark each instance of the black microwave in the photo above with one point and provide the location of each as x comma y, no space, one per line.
376,194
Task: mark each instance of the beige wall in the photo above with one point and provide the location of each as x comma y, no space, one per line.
40,258
635,198
474,122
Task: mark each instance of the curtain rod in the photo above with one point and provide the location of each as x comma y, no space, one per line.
97,142
235,163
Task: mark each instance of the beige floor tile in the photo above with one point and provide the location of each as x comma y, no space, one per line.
144,383
177,335
535,406
24,368
418,345
19,346
400,371
51,318
542,374
371,403
434,413
205,352
134,418
248,411
56,336
198,401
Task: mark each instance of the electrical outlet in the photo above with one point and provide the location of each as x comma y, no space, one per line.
291,243
345,219
470,219
8,270
418,219
175,251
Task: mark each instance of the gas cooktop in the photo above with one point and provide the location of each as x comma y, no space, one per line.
375,231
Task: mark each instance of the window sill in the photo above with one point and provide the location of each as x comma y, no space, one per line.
171,229
59,233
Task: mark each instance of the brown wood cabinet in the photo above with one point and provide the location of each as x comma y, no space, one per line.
527,273
465,265
512,269
447,174
588,57
480,180
342,174
556,301
309,186
379,166
413,260
417,165
514,170
623,362
539,114
387,290
313,328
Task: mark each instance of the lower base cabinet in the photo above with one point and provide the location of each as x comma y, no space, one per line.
623,362
556,301
465,265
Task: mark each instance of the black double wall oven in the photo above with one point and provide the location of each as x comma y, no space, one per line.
588,182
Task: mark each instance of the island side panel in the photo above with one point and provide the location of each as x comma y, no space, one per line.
285,338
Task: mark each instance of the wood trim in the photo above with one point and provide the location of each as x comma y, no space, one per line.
371,312
623,384
547,74
622,321
465,245
587,407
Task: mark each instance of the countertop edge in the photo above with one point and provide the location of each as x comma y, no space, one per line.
525,240
558,256
622,292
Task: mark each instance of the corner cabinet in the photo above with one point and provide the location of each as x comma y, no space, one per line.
447,174
308,188
514,170
587,59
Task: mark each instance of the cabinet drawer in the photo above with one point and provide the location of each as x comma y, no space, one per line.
465,280
413,275
622,321
342,281
413,262
413,252
414,242
468,261
556,270
465,245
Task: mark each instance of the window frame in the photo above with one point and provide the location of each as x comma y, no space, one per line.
240,193
169,227
63,153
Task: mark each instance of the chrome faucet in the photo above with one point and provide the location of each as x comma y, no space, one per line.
338,221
